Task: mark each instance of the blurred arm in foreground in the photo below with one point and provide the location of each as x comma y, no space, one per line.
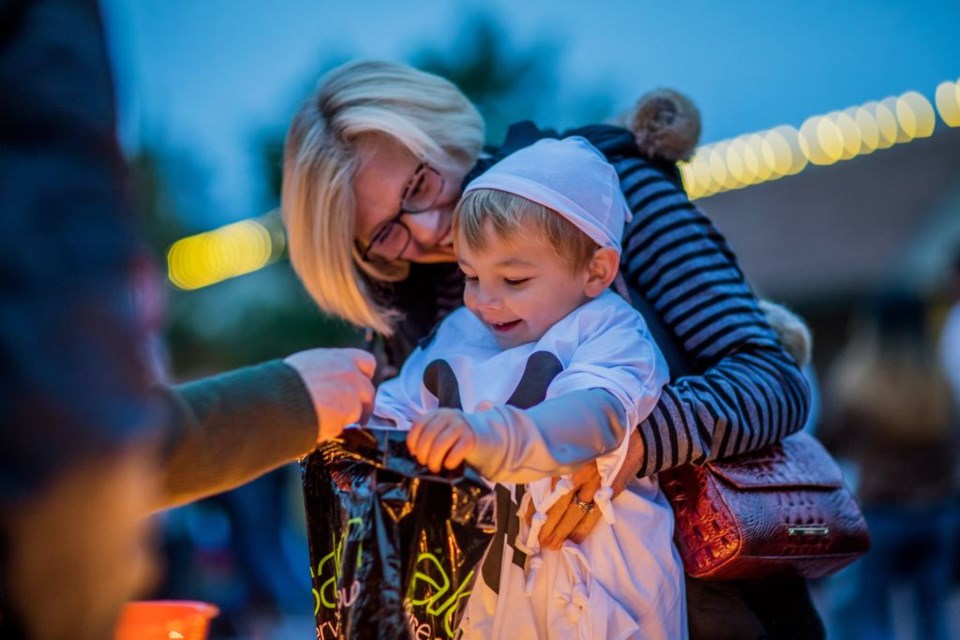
88,446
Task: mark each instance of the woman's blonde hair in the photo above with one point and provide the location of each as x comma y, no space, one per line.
508,214
425,113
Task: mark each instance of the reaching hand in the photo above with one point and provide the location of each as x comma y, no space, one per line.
339,384
567,519
441,439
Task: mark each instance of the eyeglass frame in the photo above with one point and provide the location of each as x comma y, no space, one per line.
384,229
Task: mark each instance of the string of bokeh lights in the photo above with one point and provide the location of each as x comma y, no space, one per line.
759,157
750,159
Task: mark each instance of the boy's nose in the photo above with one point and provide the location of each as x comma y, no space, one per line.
488,300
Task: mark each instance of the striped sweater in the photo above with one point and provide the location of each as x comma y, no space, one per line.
750,392
747,393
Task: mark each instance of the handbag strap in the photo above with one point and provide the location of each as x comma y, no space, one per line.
677,358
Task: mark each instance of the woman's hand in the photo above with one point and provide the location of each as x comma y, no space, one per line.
339,384
567,519
441,439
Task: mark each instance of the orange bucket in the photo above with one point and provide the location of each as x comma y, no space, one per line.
165,620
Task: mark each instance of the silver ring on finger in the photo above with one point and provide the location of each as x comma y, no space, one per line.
586,507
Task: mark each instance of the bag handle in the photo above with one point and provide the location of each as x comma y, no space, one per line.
676,357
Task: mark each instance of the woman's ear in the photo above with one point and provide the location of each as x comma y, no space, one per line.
601,271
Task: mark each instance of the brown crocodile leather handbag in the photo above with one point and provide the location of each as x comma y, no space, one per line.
782,510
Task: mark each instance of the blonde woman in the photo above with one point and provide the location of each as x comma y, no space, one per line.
374,163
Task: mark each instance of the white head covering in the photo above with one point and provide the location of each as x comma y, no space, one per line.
569,176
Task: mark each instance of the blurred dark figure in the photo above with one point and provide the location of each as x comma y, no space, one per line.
949,347
241,551
949,351
88,447
77,420
888,409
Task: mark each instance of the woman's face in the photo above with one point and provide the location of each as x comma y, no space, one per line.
387,172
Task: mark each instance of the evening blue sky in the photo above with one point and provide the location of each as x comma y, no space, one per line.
206,76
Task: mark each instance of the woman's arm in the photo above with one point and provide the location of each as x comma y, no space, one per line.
233,427
751,393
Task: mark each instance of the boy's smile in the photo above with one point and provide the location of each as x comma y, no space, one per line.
518,286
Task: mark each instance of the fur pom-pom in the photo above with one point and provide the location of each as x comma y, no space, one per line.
666,125
793,332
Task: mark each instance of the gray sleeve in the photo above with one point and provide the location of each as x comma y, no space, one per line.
233,427
554,437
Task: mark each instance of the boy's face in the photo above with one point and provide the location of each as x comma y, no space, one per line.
518,286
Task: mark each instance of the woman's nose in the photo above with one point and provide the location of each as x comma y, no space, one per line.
428,228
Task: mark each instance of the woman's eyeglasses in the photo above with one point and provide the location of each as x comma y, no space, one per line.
420,195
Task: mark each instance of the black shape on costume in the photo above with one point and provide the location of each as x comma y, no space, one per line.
440,379
542,367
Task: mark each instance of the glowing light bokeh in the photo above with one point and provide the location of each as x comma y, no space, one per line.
886,124
689,178
235,249
781,155
849,134
831,139
869,129
701,169
736,164
916,115
821,140
902,135
766,159
947,98
718,168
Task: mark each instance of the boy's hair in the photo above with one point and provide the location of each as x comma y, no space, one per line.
423,112
508,213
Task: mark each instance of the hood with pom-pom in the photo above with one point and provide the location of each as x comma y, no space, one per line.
665,124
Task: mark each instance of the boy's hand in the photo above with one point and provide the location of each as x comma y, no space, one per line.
441,439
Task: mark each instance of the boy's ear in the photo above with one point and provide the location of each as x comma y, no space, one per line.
601,271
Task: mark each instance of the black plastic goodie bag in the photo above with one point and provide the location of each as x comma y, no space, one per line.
394,550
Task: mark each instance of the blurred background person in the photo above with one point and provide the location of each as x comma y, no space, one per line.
888,409
949,345
79,427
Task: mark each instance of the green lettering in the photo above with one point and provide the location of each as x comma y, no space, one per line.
439,589
331,583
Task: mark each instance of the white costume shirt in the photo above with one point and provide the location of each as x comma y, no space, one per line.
626,579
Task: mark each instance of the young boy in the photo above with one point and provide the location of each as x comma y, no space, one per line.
543,370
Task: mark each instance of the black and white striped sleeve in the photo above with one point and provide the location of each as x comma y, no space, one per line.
751,393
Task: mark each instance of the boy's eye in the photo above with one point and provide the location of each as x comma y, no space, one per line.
515,282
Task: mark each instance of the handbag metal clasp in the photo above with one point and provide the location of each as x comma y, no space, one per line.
808,531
